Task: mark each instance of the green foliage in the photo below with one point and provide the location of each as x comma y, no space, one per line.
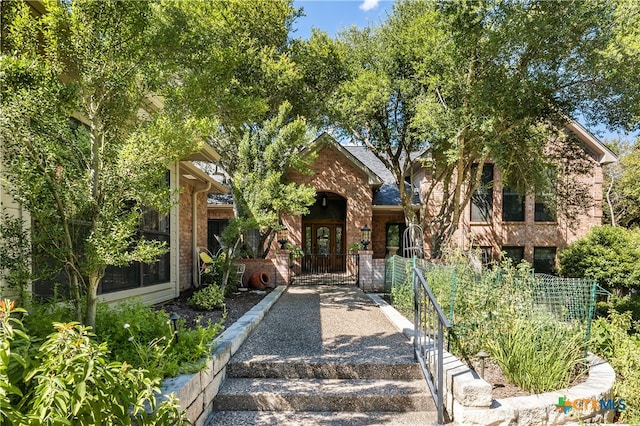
463,82
87,185
538,356
610,255
209,298
15,253
69,380
620,304
617,339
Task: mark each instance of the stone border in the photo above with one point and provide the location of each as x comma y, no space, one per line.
467,403
197,390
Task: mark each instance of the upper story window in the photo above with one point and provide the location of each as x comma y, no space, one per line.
512,205
482,198
545,206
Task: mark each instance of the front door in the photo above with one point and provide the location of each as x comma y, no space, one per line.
324,247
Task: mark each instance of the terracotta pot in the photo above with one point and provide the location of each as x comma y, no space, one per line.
258,280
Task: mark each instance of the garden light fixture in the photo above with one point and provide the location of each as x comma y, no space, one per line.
174,317
482,355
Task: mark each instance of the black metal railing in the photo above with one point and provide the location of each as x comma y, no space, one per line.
430,325
325,269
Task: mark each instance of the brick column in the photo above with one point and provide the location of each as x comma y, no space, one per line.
365,272
282,267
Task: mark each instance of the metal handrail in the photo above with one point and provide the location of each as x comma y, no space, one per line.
428,342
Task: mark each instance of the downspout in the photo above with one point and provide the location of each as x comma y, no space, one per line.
195,275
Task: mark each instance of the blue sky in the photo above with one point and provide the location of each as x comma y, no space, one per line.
334,15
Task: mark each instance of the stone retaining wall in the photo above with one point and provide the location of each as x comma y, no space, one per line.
469,402
197,390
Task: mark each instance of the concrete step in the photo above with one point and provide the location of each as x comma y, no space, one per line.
355,395
290,418
288,369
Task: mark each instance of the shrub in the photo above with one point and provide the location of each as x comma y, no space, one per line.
69,380
607,254
207,299
616,339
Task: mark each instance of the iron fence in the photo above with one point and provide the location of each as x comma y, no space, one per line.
325,269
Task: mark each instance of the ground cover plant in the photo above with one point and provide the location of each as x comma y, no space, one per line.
136,334
68,378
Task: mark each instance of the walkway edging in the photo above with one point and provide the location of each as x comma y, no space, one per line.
197,390
469,390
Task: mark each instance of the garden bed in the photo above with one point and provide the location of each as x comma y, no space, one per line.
236,305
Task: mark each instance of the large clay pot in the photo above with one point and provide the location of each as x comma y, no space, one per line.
258,280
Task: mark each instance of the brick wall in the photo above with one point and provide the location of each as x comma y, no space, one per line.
185,248
379,237
334,173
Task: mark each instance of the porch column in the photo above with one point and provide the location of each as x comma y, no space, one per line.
365,270
282,267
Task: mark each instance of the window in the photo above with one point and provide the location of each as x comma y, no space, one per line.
153,227
516,254
544,260
215,228
395,231
512,205
545,208
486,254
482,198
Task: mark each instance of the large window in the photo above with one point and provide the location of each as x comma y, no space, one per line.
545,208
544,260
482,198
153,227
512,205
515,253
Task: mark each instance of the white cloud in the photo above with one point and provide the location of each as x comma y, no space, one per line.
368,5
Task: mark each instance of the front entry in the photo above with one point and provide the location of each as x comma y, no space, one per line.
324,247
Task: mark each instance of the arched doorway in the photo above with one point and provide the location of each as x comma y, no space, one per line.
323,234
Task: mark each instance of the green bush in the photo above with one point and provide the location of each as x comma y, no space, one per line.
620,305
617,340
609,255
69,380
207,299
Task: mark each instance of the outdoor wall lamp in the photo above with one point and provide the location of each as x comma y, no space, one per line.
283,234
365,237
174,317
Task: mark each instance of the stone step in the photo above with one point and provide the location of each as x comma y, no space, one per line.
291,418
323,370
356,395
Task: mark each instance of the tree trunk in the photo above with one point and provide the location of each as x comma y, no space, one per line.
92,300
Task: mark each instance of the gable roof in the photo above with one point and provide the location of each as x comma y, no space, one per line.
604,154
373,179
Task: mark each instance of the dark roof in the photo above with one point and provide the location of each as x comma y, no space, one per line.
388,194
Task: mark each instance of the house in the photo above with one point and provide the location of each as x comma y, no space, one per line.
354,189
184,230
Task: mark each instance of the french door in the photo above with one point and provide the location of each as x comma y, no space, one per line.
324,247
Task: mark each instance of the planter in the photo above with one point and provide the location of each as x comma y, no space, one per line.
258,280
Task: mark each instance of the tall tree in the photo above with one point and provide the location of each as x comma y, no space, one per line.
463,83
622,186
87,182
272,92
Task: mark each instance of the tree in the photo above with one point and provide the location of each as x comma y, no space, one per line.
87,182
622,186
273,92
464,83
